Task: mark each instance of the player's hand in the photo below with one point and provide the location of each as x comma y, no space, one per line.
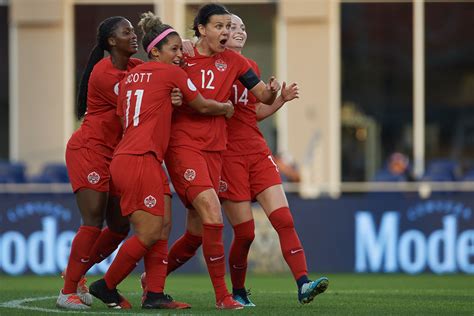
290,92
188,47
273,85
176,97
229,109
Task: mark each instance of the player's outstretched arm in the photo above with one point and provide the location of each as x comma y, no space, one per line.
212,107
266,92
287,94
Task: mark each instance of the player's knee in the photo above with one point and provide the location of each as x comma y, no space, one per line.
245,232
94,220
282,219
119,227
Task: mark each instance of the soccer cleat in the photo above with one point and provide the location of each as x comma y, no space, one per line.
162,301
227,302
82,290
111,298
309,290
242,296
70,301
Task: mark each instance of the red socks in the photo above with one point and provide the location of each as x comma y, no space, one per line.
290,244
156,264
182,250
79,258
213,251
126,260
103,247
244,234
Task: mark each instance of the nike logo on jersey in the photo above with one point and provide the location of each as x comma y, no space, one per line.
85,260
191,64
296,251
179,261
238,267
165,262
216,258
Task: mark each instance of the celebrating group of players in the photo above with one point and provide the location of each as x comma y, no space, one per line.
197,112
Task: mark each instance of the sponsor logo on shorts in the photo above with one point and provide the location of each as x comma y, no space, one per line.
149,201
190,174
222,186
221,65
93,177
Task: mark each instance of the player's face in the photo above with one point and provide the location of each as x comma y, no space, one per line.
216,32
124,39
238,35
172,51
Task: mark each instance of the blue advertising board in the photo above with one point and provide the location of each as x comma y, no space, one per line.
366,233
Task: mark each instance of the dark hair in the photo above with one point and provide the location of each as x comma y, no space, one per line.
204,14
151,27
105,30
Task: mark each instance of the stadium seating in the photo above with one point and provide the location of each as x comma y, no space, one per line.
384,175
12,172
442,170
52,173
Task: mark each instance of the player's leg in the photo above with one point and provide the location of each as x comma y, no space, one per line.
147,229
91,205
185,247
156,263
273,201
240,217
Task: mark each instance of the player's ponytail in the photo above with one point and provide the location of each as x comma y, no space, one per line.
104,31
152,28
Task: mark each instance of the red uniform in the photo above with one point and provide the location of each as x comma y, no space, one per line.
196,140
144,104
248,165
90,148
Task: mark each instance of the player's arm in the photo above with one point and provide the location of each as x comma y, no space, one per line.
212,107
265,92
287,94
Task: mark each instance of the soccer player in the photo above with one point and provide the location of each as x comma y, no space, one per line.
88,155
249,174
194,157
145,106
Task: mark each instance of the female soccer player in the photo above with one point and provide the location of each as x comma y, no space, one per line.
88,156
194,158
250,174
144,103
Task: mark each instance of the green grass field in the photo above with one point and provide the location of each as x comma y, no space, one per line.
348,294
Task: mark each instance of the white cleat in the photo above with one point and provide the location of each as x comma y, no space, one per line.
70,301
83,292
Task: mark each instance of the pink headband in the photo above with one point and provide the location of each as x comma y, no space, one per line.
158,39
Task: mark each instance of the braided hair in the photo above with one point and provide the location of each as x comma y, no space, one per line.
105,30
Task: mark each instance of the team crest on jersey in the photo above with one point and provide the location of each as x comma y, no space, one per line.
149,201
189,175
222,186
221,65
93,177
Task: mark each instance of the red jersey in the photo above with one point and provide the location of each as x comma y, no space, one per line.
144,103
101,129
213,76
243,135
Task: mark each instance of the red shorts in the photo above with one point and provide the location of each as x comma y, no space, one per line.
141,183
88,170
192,171
244,177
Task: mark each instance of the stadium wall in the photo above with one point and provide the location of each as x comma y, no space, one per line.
362,233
